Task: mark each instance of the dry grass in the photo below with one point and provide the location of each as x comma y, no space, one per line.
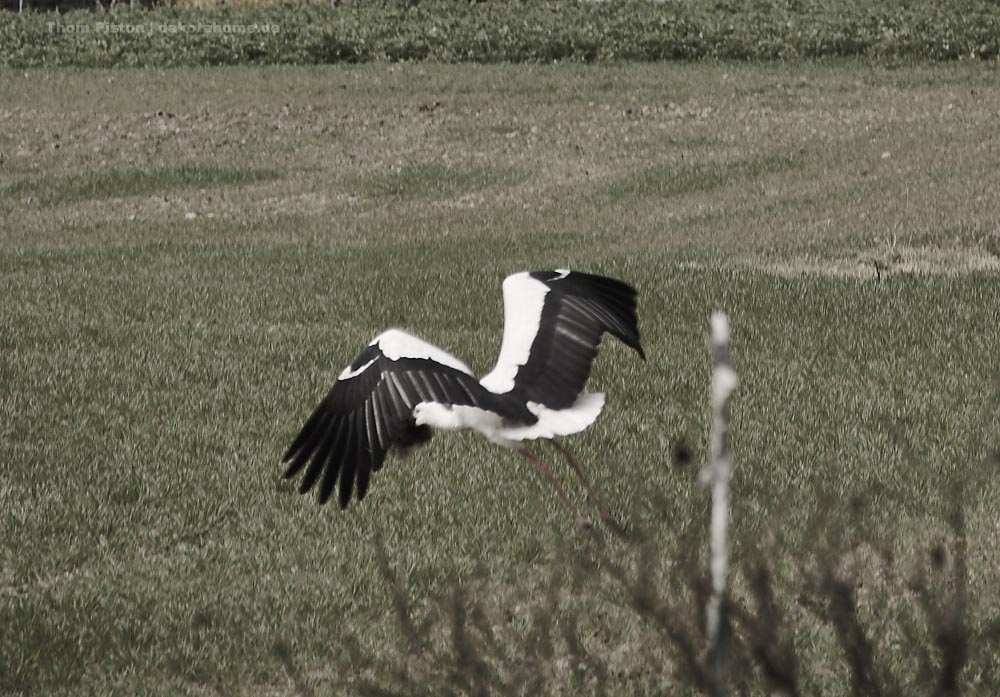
827,170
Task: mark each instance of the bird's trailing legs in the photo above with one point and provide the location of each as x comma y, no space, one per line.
595,499
547,473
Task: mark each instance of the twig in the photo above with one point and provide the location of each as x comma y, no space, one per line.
857,648
716,474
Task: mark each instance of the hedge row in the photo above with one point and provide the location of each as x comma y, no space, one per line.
527,31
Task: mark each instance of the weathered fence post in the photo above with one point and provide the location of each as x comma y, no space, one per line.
716,474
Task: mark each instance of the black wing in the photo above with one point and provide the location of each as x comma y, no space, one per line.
370,407
576,310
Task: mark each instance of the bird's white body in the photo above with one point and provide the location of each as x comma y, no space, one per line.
551,422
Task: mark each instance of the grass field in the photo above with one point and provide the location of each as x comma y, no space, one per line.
185,271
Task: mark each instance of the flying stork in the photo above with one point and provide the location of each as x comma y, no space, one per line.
400,387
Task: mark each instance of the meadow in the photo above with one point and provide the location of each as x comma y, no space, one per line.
185,271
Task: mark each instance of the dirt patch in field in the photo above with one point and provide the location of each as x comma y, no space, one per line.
881,262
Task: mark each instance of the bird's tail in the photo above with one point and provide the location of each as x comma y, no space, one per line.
584,412
559,422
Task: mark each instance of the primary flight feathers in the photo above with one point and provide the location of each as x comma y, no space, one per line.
400,386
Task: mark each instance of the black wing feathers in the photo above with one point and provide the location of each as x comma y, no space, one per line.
608,300
336,437
298,452
579,308
349,433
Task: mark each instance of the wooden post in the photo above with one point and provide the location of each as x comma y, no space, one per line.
716,474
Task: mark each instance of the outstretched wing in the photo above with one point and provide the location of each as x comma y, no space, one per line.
371,405
553,324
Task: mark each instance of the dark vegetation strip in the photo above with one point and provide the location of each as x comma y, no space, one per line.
50,190
539,31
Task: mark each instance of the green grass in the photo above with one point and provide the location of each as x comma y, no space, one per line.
168,324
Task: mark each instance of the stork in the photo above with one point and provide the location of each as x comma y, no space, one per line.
400,388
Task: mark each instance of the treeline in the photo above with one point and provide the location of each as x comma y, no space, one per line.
535,31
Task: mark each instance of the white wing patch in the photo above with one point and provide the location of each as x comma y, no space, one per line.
396,344
523,299
347,373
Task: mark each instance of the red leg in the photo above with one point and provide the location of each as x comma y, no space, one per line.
547,473
611,522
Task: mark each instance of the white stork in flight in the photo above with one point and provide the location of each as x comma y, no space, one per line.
401,387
